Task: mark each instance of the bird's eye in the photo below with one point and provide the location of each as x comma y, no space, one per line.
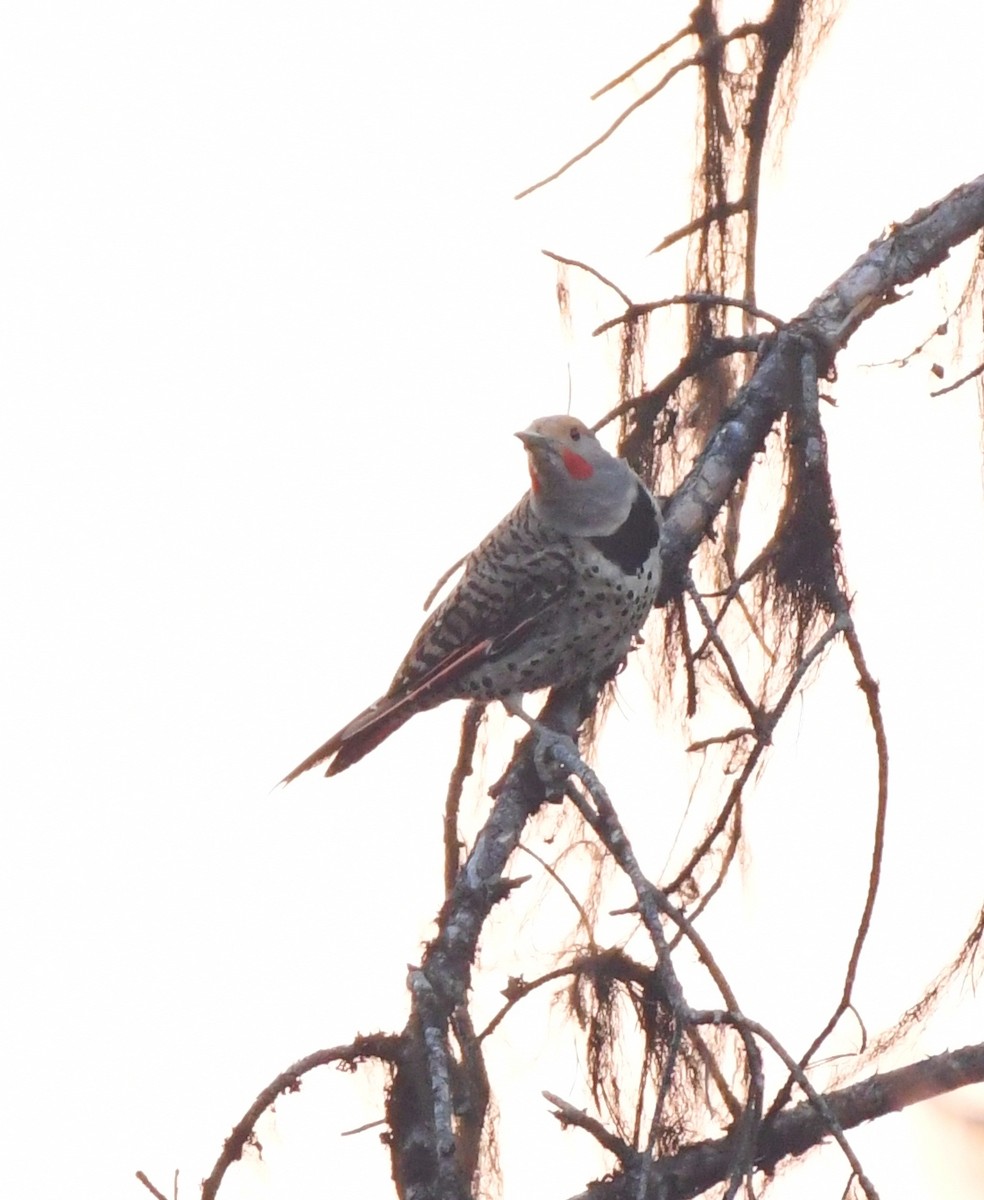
575,434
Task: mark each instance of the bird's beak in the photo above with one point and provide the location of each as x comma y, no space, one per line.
533,441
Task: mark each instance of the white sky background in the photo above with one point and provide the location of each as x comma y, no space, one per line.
268,317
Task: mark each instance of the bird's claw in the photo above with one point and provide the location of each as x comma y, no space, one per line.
555,757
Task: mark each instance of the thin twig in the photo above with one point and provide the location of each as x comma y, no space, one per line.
730,593
519,989
583,919
815,1098
754,710
470,724
711,1065
904,361
651,903
720,822
707,50
657,1122
363,1128
150,1187
668,45
573,262
979,370
765,726
700,299
728,208
736,735
747,1127
869,687
840,624
677,609
432,594
381,1046
689,365
644,99
567,1114
708,892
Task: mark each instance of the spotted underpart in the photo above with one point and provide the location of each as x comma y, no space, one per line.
553,608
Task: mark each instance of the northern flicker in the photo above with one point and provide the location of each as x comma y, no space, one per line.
553,595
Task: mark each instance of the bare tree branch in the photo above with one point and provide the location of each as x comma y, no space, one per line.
380,1046
436,1104
910,250
792,1133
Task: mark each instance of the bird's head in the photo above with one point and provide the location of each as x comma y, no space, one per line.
576,485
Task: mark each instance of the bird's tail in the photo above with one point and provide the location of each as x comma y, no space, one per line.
374,724
359,736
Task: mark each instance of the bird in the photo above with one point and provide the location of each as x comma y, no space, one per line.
554,595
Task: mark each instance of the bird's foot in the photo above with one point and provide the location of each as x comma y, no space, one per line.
513,704
555,757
